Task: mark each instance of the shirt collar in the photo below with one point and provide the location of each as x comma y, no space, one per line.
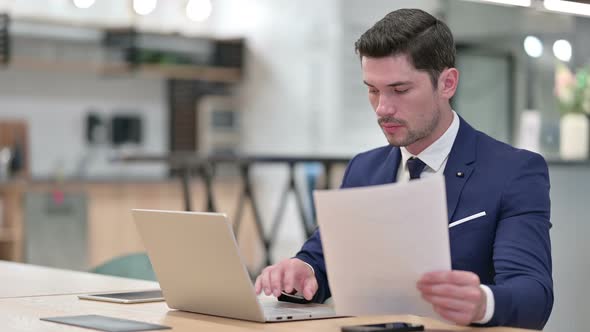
435,155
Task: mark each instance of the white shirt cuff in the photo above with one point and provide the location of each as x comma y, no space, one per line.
310,267
490,305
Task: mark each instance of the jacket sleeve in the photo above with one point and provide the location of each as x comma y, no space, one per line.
313,254
523,285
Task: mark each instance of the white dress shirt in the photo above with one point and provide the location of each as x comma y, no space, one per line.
435,157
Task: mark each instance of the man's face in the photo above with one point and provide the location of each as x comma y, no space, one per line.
403,98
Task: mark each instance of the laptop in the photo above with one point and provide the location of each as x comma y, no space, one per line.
197,262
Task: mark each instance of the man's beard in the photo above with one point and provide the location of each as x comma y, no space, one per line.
413,135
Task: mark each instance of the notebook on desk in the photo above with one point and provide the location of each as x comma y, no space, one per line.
198,264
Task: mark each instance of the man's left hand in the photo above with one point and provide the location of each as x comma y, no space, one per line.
454,295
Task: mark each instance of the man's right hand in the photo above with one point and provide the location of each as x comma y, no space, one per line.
288,275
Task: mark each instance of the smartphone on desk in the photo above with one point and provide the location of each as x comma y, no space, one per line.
384,327
126,297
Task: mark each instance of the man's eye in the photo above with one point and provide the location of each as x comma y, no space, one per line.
402,91
373,91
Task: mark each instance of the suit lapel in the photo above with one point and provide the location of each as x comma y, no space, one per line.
393,162
387,170
460,164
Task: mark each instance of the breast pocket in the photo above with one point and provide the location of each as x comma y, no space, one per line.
469,219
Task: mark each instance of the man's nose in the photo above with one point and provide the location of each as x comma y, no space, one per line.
385,107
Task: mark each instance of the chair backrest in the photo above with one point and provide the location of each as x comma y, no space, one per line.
136,266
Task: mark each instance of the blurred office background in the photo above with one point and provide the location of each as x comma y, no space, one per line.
108,105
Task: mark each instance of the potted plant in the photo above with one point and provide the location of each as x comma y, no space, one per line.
573,98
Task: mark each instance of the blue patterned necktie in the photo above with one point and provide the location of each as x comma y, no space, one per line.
415,167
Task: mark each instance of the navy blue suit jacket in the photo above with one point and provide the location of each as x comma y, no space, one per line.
509,248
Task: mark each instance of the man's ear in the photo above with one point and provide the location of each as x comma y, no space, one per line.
448,82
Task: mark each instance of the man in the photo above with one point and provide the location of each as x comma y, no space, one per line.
501,257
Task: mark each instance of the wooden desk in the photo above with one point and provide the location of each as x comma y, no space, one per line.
27,294
22,314
20,280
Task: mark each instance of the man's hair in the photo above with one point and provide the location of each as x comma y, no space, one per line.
427,41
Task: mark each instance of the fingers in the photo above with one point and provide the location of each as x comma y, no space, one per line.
454,295
458,317
461,285
258,285
466,293
310,287
288,275
461,311
451,304
265,276
263,281
289,282
463,278
276,280
295,274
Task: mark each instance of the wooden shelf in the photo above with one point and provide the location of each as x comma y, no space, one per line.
187,72
30,63
130,52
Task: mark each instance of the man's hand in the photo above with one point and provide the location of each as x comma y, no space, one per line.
288,275
455,295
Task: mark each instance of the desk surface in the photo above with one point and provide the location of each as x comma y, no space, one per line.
28,293
22,314
20,280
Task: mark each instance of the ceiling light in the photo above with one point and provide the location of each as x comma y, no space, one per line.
144,7
533,46
83,4
198,10
562,49
522,3
569,7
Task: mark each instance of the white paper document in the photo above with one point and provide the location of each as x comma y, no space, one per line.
379,240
